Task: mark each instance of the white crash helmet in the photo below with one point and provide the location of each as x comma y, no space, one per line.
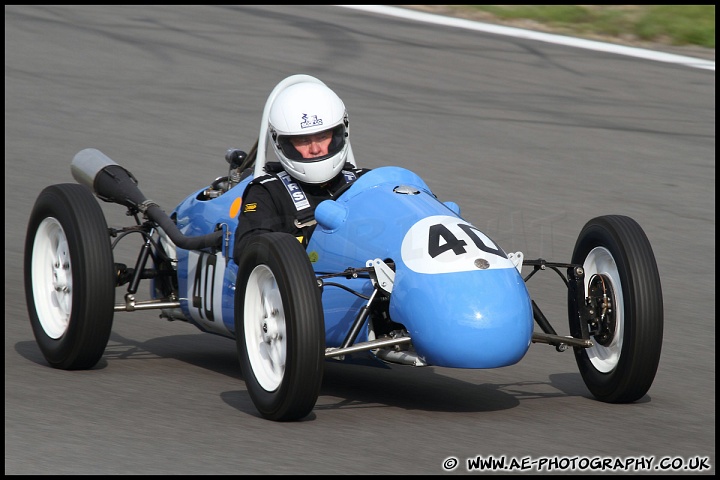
304,109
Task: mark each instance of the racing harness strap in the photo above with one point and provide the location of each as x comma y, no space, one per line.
296,202
305,212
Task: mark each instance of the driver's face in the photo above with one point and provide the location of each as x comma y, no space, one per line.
312,146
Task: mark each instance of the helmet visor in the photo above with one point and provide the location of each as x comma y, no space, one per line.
336,135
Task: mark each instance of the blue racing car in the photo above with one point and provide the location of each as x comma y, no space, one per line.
391,274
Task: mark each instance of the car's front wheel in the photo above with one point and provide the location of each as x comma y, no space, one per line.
69,277
279,326
624,294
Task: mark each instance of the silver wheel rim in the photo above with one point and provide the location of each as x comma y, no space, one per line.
600,261
264,323
52,281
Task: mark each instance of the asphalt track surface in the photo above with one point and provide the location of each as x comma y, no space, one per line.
532,139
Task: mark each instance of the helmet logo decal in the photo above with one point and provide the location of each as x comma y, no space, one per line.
310,121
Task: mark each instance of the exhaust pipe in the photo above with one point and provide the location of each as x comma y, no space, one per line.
115,184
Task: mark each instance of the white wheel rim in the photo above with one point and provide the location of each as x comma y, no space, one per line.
52,282
601,262
264,323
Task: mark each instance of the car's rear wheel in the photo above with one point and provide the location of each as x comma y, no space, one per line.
69,277
623,290
279,326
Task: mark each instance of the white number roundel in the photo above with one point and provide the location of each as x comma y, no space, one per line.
445,244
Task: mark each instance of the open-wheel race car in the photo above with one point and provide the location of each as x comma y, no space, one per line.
391,273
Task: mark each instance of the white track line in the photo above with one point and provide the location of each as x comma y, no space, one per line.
539,36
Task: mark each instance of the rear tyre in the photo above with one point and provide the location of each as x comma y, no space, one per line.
627,329
69,277
279,326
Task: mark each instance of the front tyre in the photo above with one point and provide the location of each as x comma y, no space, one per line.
69,277
279,326
622,286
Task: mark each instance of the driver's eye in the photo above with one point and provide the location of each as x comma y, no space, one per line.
307,140
301,141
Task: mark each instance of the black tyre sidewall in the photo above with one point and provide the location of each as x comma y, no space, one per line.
93,296
643,309
305,330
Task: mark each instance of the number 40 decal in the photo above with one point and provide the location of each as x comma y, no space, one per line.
203,286
444,244
441,239
205,282
204,290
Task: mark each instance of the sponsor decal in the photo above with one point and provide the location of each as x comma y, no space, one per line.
310,121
